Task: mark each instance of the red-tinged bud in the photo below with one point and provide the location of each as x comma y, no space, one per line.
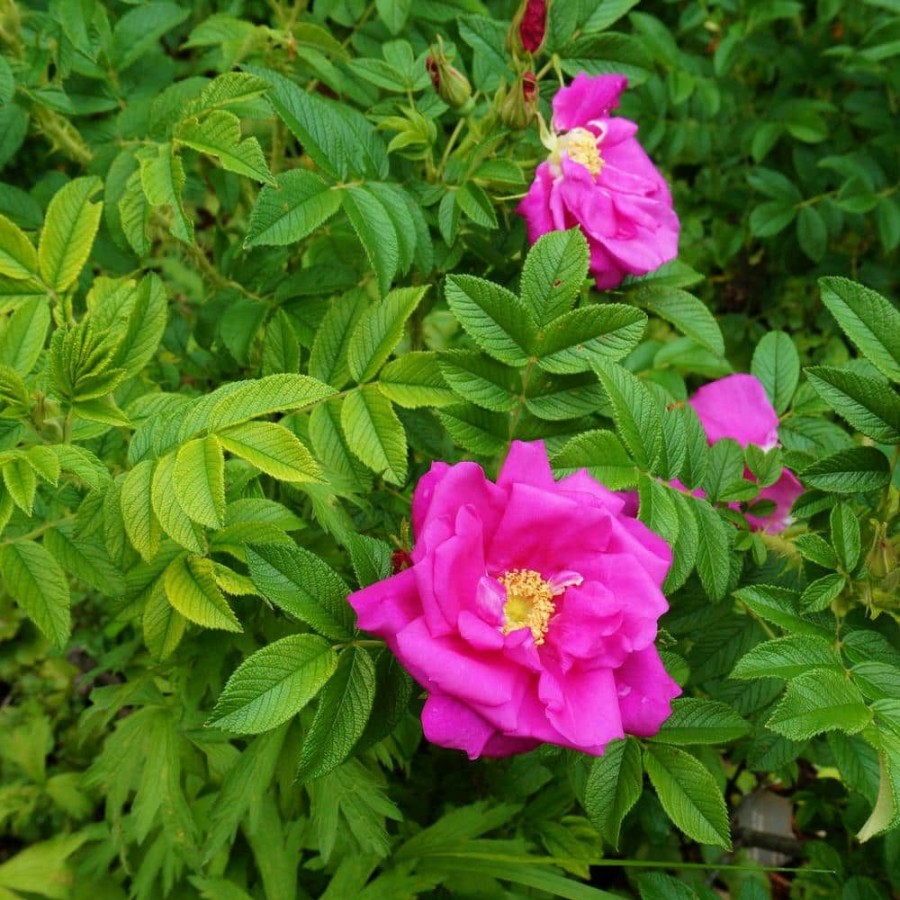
518,108
529,27
450,84
400,560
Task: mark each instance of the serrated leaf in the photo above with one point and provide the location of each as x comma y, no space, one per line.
302,585
822,592
713,550
191,588
20,481
264,396
85,560
273,449
18,258
689,794
480,379
414,380
37,583
635,412
494,317
695,721
845,536
613,786
478,430
141,524
328,356
869,320
199,481
371,558
274,684
343,711
554,271
868,404
374,433
777,365
688,314
781,606
379,330
589,336
169,512
788,657
819,701
68,234
299,203
817,550
886,814
22,340
850,471
162,180
218,134
376,232
163,625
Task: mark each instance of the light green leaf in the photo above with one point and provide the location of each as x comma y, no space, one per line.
18,258
199,481
302,585
285,214
191,588
218,134
69,229
554,271
228,89
414,380
867,403
376,232
822,700
374,433
328,356
788,657
163,625
688,314
613,787
20,481
274,684
162,178
478,430
42,868
476,204
379,330
869,320
886,814
22,338
480,379
494,317
777,365
169,512
85,559
689,794
273,449
140,520
38,584
344,707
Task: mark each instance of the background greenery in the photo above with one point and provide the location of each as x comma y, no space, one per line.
255,275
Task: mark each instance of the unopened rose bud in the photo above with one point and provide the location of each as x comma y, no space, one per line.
881,560
450,84
529,27
517,108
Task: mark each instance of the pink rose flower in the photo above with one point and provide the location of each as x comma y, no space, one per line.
737,407
529,611
599,178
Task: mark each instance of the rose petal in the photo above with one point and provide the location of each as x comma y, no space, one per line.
645,691
586,99
388,606
449,723
737,407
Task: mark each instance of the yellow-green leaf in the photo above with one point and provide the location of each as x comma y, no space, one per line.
199,479
140,520
272,449
191,588
173,519
18,258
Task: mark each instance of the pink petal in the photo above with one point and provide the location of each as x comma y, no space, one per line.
535,206
388,606
526,463
586,99
737,407
583,487
449,723
783,494
645,691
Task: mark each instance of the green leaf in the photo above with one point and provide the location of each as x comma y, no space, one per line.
821,592
302,585
264,396
341,716
374,433
164,626
299,203
394,13
688,314
20,481
478,430
199,481
218,134
68,235
823,700
589,336
788,657
713,549
274,684
191,588
725,470
867,403
869,320
781,606
850,471
886,814
228,89
635,412
877,680
777,365
695,721
379,330
414,380
613,786
376,232
328,356
555,399
554,271
817,550
162,179
812,233
18,258
140,520
657,508
273,449
480,379
172,518
85,559
845,536
371,558
689,794
139,30
281,349
38,584
476,204
495,318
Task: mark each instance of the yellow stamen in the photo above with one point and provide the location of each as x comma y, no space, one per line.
529,603
580,145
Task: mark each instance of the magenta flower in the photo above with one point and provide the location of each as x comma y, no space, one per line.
737,407
529,612
599,178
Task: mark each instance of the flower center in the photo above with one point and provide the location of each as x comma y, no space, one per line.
529,602
580,145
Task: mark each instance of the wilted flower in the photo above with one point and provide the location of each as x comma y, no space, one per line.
737,407
599,178
529,612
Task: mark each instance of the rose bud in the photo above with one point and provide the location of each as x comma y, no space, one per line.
450,84
517,108
529,27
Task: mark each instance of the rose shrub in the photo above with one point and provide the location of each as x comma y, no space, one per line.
529,611
599,178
